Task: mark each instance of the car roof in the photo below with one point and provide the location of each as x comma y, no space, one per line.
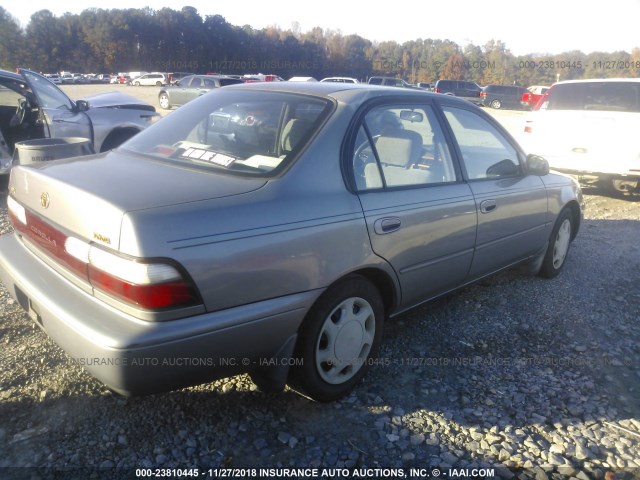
344,91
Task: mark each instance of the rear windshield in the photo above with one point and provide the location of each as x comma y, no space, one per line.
600,96
239,131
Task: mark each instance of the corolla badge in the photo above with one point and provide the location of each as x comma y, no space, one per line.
45,200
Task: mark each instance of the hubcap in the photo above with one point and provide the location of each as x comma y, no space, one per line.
345,340
561,246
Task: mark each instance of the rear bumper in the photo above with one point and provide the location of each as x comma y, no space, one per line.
136,357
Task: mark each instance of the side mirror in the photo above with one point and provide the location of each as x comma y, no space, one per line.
537,165
82,105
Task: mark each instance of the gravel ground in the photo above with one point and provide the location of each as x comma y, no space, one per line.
522,376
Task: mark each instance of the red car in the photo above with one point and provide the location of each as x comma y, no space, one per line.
532,96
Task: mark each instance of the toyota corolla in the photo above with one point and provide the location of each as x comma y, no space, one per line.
272,229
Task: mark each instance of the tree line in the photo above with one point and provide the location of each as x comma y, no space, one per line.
167,40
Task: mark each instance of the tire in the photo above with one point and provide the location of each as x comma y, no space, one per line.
497,104
158,84
137,84
338,340
559,244
163,99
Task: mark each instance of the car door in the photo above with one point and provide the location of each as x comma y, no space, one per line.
63,118
420,217
511,205
183,91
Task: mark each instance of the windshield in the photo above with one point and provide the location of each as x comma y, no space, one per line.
245,132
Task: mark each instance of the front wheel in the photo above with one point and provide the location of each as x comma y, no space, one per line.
338,340
163,99
559,245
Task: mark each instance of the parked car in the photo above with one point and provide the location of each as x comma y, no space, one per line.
340,80
533,95
31,107
426,86
149,79
502,96
468,90
192,87
101,78
389,82
589,128
66,78
54,78
123,79
272,228
259,77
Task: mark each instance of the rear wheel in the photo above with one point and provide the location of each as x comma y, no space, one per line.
158,84
496,104
559,245
625,185
137,84
338,340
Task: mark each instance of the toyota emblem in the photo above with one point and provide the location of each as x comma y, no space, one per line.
45,200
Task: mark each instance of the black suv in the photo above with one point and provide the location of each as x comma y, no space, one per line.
502,96
460,88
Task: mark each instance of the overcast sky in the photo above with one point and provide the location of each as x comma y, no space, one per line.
540,26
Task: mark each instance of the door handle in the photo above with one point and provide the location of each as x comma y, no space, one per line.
385,225
488,206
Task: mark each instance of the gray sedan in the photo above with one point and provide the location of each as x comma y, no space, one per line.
192,87
32,107
273,229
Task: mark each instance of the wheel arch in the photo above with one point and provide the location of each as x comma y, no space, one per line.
385,285
576,216
118,136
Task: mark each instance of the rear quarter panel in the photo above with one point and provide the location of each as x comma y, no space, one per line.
301,231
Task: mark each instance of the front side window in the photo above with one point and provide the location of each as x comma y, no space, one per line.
486,153
185,81
49,96
399,146
241,132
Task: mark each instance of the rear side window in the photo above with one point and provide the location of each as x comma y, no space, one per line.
599,96
400,146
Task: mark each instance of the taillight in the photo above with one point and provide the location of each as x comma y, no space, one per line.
141,283
437,90
151,286
483,94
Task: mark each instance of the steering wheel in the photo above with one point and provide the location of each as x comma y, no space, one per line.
20,115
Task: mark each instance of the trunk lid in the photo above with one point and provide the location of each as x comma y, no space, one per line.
89,196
